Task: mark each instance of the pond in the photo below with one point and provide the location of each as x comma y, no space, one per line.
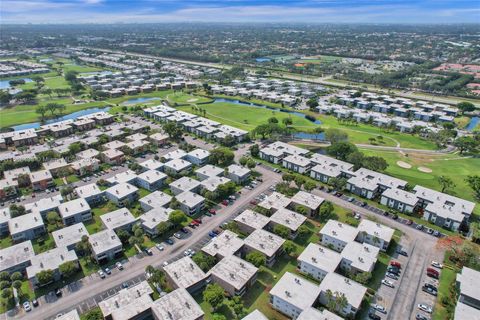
263,60
472,124
297,135
5,84
139,100
73,115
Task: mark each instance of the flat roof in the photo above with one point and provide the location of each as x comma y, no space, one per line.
88,190
184,272
72,315
210,170
152,176
469,280
287,148
376,229
15,255
124,298
154,217
25,222
314,314
118,218
4,215
463,311
14,173
178,164
67,236
115,144
123,177
401,196
276,200
439,198
339,230
55,164
252,219
264,241
369,179
156,199
234,271
175,154
238,170
103,241
320,257
255,315
152,164
50,260
212,183
288,218
121,190
298,160
178,305
353,291
45,204
185,184
112,153
89,153
296,291
361,255
190,199
73,207
307,199
199,154
225,244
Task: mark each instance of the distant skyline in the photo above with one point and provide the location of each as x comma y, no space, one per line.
306,11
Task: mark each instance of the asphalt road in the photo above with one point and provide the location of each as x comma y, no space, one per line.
89,291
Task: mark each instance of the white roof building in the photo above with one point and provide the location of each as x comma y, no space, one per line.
178,305
16,257
118,219
69,236
155,199
288,218
184,273
225,244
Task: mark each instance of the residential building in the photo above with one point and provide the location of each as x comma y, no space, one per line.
225,244
400,200
156,199
68,237
16,257
336,235
198,157
177,304
276,151
234,274
176,166
358,258
105,245
45,205
175,154
184,184
41,180
292,294
151,180
211,184
118,219
467,283
75,211
184,273
26,227
339,285
310,202
275,201
312,314
288,219
152,164
50,260
159,139
318,261
255,315
375,234
190,203
113,156
208,171
238,174
265,242
297,163
87,154
85,166
72,315
123,177
4,218
152,218
369,184
122,194
249,221
91,193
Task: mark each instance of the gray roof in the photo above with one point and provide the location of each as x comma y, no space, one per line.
370,180
178,164
154,217
45,204
121,190
176,154
264,241
73,207
255,315
15,255
156,199
225,244
234,271
320,257
25,222
402,196
252,219
88,190
315,314
212,183
353,291
152,164
463,311
178,305
209,170
288,218
72,315
41,175
50,260
126,298
199,154
362,256
440,199
118,219
276,200
69,235
307,199
184,272
190,199
123,177
238,170
376,229
469,280
152,176
339,230
185,184
103,241
296,290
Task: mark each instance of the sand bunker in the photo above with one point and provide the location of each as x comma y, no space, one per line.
404,165
192,100
424,169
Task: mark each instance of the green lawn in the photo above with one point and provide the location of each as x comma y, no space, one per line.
447,280
80,68
453,166
247,118
95,225
6,242
183,98
43,244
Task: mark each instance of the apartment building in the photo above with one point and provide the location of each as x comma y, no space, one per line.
75,211
318,261
16,257
190,203
264,242
225,244
26,227
184,273
105,245
50,260
68,237
336,235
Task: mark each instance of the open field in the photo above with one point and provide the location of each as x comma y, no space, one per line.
50,82
450,165
182,98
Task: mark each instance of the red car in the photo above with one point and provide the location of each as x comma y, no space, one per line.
197,221
395,264
432,275
212,211
431,270
225,202
253,202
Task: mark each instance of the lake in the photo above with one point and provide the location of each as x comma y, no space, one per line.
472,124
5,84
73,115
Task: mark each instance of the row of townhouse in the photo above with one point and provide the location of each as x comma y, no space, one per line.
468,303
439,208
205,128
289,99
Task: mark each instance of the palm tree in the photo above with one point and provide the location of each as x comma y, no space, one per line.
330,299
341,301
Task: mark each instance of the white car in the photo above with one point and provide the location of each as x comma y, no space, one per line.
379,308
425,308
437,264
165,264
119,265
159,247
26,306
101,274
388,283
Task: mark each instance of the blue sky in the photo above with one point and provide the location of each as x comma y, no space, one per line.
316,11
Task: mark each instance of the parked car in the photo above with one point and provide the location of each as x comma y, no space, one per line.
357,216
429,285
35,302
119,265
184,230
391,276
409,222
107,271
379,308
429,290
225,202
101,274
212,234
374,316
364,204
208,214
388,283
177,235
393,270
420,316
58,292
169,241
425,308
402,252
350,199
432,275
159,247
149,252
419,226
198,220
437,264
395,264
26,306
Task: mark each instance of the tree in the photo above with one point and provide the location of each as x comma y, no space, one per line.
335,135
4,276
466,143
5,97
75,148
174,204
318,130
7,293
221,156
173,130
299,181
337,183
288,177
53,107
243,160
41,110
214,295
272,120
303,231
204,261
218,316
17,210
84,247
71,76
94,314
446,183
5,284
68,269
251,164
53,218
23,180
465,106
326,211
363,277
312,103
357,159
375,163
123,235
17,284
341,150
176,217
281,230
287,121
162,228
254,150
288,247
44,277
256,258
16,276
309,185
474,183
